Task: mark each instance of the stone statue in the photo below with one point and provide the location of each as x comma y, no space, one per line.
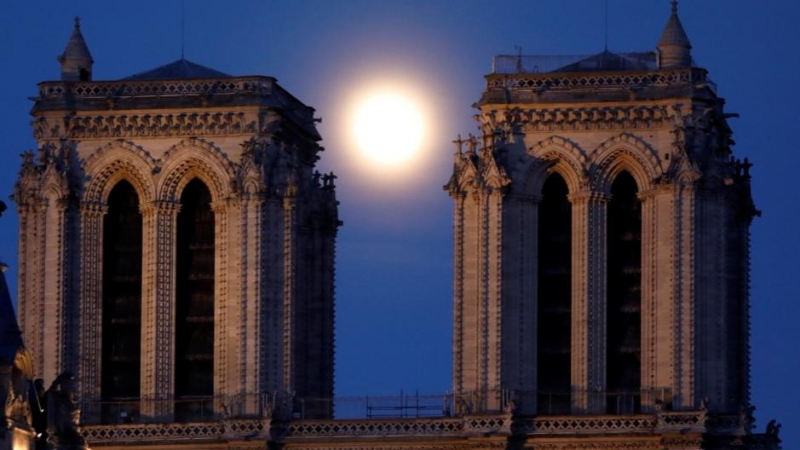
63,415
773,428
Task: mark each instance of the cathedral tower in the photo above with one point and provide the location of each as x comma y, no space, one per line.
602,238
176,243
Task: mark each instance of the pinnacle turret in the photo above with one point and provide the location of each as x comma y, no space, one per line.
76,61
674,48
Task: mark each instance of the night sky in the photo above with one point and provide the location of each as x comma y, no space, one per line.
394,257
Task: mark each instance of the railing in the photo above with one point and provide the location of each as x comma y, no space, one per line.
508,64
158,88
200,409
285,406
566,81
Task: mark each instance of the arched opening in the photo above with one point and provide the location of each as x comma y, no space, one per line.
122,304
194,300
554,291
623,296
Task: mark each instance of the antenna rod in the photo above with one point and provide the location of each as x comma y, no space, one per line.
183,27
606,38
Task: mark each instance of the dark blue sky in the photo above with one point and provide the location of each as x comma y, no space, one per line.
394,270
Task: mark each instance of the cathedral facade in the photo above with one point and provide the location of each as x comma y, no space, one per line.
177,257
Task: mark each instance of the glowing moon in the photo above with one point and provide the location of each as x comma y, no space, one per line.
388,128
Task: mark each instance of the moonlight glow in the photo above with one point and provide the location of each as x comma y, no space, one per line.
388,128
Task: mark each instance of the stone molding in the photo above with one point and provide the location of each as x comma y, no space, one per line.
581,118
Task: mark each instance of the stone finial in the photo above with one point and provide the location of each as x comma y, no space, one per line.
76,61
674,48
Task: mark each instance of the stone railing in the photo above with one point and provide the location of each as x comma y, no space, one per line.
258,85
374,427
443,427
171,432
600,80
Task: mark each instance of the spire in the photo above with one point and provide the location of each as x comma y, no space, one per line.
674,48
76,61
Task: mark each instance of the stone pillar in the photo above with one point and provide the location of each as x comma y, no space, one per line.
54,304
289,289
458,292
251,306
29,287
492,249
89,376
226,298
158,309
478,289
685,213
588,301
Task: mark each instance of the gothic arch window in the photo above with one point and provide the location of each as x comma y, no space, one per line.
194,296
624,281
122,296
554,298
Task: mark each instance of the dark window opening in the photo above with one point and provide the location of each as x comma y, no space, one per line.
122,302
555,299
624,246
194,315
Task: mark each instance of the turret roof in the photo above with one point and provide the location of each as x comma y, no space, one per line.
674,34
76,47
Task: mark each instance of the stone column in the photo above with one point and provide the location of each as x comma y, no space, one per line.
250,309
289,289
89,374
54,305
158,309
226,298
685,296
588,301
492,282
29,287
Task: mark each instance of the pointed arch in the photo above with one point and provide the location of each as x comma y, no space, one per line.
114,162
196,158
54,183
554,299
120,358
250,177
194,301
629,153
552,155
623,296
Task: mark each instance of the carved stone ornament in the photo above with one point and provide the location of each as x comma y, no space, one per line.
151,125
582,118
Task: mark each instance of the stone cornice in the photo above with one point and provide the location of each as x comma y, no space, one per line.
582,118
109,125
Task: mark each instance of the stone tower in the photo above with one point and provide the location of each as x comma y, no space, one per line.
176,243
602,240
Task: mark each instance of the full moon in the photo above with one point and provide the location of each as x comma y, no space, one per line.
388,128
